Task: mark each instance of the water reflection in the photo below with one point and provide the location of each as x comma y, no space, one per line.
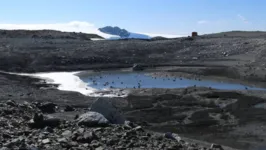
105,80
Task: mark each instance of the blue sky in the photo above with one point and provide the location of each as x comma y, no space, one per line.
144,16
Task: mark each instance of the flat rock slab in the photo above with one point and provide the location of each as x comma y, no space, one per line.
92,119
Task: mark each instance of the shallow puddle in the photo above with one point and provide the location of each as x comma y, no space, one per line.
106,80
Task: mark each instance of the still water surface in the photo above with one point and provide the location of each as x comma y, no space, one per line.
106,80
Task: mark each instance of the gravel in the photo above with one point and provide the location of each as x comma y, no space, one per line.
16,133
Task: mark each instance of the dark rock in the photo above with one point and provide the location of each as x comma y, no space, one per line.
111,142
137,67
129,124
95,144
73,144
115,31
216,147
26,105
87,137
38,118
172,136
6,136
121,148
92,119
173,147
108,110
69,108
148,134
52,122
146,138
9,111
130,133
11,103
168,135
33,148
27,118
76,116
38,121
75,136
32,124
130,145
47,107
159,137
162,146
49,129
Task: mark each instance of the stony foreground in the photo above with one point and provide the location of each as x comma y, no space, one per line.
29,126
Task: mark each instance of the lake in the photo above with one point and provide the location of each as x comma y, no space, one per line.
105,80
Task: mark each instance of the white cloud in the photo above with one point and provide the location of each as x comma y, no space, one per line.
73,26
203,22
242,18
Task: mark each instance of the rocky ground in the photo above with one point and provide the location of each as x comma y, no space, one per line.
34,126
231,118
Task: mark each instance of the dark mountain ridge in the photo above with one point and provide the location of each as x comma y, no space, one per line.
115,31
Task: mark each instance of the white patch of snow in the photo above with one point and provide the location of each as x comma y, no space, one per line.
69,81
163,35
96,39
138,36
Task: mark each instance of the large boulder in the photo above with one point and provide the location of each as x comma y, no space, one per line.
92,119
105,107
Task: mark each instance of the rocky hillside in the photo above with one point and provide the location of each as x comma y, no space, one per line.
46,34
247,34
